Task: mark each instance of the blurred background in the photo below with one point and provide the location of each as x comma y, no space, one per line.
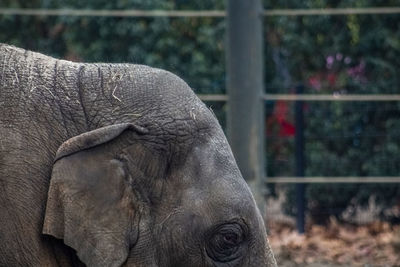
332,157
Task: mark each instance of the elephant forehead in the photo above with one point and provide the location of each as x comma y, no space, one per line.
213,181
129,88
156,99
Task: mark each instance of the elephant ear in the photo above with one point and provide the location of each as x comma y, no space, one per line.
90,203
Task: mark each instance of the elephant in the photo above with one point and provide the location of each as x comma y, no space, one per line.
117,165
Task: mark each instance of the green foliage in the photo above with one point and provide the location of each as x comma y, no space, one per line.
354,54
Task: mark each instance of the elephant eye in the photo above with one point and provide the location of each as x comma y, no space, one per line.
224,242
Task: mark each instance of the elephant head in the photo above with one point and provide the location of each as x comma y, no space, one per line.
155,192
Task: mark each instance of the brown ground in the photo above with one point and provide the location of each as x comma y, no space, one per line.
375,244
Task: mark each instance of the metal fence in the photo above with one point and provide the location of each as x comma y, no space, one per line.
192,13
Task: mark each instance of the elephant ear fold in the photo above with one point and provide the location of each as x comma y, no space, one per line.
90,204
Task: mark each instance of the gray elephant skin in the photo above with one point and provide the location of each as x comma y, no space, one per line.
116,165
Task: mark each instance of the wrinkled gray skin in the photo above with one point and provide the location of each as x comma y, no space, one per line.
116,165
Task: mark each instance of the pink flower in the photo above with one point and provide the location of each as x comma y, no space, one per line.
329,61
347,60
357,72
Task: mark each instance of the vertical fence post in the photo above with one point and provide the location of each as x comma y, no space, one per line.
300,162
245,83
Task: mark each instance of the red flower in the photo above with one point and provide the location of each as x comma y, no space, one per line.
281,110
315,82
279,120
331,79
287,129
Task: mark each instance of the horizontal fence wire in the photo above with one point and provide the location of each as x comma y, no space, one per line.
111,13
333,97
332,180
213,97
332,11
194,13
310,97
